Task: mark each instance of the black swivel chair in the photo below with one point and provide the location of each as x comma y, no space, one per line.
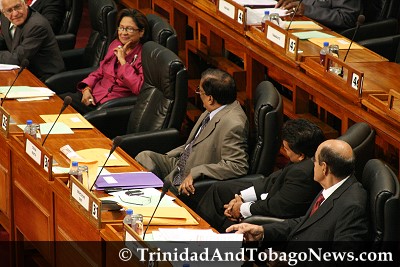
264,144
380,20
388,46
361,137
153,123
66,37
384,203
81,62
162,32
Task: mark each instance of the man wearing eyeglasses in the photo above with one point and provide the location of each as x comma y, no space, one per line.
217,145
25,34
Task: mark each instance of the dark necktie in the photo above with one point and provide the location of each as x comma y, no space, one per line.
12,31
185,154
317,203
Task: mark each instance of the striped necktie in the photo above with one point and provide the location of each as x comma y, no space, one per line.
185,154
12,30
317,203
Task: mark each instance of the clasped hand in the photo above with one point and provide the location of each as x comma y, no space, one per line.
232,209
122,51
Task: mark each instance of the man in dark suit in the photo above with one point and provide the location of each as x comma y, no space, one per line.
52,10
286,193
217,150
335,14
25,34
338,214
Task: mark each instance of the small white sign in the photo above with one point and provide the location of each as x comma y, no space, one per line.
95,210
292,45
276,36
354,81
80,196
240,16
227,8
4,122
46,163
33,151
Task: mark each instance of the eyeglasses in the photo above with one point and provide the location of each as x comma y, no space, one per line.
136,200
17,8
197,91
127,29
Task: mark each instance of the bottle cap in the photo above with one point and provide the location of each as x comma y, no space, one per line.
266,12
29,122
326,43
129,211
74,163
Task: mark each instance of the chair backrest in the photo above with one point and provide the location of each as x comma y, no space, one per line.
384,201
162,32
376,10
162,100
103,16
268,120
388,47
361,137
72,17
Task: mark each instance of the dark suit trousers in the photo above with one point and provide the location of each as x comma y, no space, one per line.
211,206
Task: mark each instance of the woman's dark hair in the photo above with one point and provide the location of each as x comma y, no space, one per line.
302,136
220,85
140,20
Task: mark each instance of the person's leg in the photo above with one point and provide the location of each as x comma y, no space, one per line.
211,206
159,164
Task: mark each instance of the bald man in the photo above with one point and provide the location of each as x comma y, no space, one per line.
341,215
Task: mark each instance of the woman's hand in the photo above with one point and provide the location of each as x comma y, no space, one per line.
122,51
87,97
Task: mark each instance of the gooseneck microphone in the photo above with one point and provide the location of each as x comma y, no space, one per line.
116,142
294,14
24,64
165,188
360,21
67,102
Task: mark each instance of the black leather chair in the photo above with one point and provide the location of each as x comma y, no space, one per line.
153,123
264,144
384,203
66,37
388,47
380,20
81,62
162,32
361,137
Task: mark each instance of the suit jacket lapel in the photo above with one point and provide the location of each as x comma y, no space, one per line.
326,206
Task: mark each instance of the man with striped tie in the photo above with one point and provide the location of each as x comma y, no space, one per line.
217,145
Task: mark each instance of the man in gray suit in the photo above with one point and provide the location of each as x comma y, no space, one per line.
25,34
335,14
217,150
338,214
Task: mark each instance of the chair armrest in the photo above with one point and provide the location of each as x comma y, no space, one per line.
73,59
66,81
260,220
119,102
374,29
66,41
112,121
160,141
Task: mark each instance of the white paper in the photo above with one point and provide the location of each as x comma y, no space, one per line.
256,2
8,67
254,16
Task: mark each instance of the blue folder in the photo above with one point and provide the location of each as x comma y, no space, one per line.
129,180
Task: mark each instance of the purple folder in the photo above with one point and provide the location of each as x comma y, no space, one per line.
129,180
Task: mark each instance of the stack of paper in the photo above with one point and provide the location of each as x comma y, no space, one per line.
254,16
129,180
26,91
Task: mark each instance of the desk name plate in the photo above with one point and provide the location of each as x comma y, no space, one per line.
232,13
39,154
5,122
353,79
86,202
287,42
139,247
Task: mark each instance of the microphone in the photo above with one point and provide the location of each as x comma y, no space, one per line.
67,102
360,21
165,188
116,142
294,14
24,64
